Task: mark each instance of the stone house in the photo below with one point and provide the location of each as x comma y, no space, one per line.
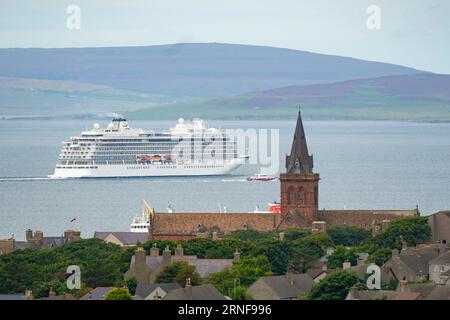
440,227
284,287
145,268
440,269
156,291
203,292
411,265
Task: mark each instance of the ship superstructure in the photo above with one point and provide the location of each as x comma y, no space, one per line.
188,149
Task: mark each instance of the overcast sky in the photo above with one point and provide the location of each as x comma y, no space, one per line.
414,33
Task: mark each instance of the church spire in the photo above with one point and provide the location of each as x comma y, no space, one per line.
299,161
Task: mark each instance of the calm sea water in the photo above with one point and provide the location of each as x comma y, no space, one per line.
363,165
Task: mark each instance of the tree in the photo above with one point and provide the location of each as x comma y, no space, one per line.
240,276
334,286
413,230
348,236
381,256
252,235
339,256
101,264
131,284
198,246
278,252
295,234
178,272
225,248
118,294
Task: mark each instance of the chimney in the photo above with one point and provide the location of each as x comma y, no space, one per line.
324,267
290,277
281,236
154,251
167,256
179,250
188,288
139,257
404,285
29,234
346,265
39,238
214,235
395,253
52,294
28,295
71,235
236,256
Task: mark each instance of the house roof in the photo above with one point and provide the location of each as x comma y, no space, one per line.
439,293
410,264
143,290
361,272
315,272
98,293
406,296
372,294
424,289
64,296
14,296
52,242
286,287
127,238
203,292
204,267
21,245
442,259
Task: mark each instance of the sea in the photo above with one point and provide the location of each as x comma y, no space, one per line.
362,165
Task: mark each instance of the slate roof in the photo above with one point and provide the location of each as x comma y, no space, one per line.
64,296
287,289
22,245
52,242
424,289
203,266
361,272
410,264
439,293
443,259
127,238
14,296
143,290
314,273
372,294
203,292
97,294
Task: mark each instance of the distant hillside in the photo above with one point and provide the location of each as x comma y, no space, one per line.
183,71
407,97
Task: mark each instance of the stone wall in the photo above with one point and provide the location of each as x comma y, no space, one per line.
440,226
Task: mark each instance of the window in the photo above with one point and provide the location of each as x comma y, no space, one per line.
301,196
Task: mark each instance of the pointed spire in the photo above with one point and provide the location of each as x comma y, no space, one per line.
299,161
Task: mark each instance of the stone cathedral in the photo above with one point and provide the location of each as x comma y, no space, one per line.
299,198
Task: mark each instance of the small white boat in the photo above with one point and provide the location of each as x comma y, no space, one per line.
261,177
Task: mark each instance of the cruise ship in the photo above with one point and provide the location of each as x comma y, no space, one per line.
188,149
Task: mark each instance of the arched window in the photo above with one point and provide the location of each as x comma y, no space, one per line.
301,196
290,195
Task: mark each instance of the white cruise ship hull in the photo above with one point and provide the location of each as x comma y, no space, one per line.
146,170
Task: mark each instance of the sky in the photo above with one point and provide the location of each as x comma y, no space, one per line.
414,33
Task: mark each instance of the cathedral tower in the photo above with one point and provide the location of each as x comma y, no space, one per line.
299,185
